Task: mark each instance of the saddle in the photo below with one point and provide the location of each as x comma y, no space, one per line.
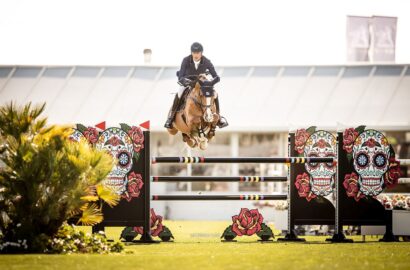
184,97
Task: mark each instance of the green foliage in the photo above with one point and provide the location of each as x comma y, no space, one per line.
81,128
228,234
166,234
45,176
265,233
69,240
125,127
128,234
360,129
311,130
90,212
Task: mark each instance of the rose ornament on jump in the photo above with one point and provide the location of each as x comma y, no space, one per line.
248,223
157,230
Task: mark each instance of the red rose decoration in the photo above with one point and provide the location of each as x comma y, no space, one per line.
301,137
248,222
91,134
303,186
115,141
134,186
137,137
139,230
391,177
349,136
371,143
156,225
351,185
322,143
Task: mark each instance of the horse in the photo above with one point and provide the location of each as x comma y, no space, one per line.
197,120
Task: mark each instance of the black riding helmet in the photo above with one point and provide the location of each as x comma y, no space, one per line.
196,47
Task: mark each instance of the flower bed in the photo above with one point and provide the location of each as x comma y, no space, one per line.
395,202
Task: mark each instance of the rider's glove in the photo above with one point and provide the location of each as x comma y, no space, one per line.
185,82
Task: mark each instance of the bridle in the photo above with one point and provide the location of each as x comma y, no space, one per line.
199,102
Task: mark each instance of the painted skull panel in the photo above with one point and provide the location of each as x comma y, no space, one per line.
371,152
119,144
321,144
76,136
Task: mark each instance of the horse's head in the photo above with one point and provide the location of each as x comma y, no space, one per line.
205,95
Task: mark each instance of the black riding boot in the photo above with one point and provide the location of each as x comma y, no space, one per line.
172,112
222,121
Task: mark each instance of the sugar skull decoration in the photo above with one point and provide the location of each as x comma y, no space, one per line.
119,144
321,144
81,132
371,153
318,180
125,145
76,136
373,160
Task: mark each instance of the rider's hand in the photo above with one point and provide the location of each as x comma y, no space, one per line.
186,82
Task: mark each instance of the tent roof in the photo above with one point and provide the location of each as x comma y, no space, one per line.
253,98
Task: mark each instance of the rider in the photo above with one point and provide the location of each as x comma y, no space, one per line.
194,64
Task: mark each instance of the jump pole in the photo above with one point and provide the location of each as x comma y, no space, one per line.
219,179
287,160
218,197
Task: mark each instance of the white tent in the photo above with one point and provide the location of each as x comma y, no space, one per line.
261,98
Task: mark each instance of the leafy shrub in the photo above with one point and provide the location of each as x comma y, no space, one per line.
69,240
45,178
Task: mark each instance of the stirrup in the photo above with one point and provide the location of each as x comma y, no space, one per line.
222,122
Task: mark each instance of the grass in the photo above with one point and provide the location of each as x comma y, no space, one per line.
197,246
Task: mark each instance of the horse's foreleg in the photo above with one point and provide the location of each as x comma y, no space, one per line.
202,138
191,142
211,132
172,130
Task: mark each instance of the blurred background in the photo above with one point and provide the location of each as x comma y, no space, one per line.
283,65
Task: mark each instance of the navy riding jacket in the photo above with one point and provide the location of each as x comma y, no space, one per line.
205,66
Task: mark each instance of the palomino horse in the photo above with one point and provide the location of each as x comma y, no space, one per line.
198,118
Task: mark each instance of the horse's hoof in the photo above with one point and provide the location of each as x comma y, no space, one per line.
191,143
203,145
210,135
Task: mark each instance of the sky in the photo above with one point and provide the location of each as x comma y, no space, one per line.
257,32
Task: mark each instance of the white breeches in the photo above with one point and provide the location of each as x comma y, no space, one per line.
181,91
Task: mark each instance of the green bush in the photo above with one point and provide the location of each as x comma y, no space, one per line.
44,179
